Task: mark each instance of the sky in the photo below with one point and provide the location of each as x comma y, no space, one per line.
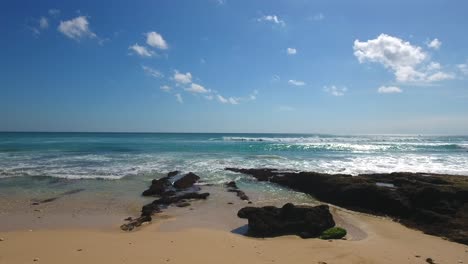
295,66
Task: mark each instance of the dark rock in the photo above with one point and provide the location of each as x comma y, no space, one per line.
128,218
158,187
231,184
172,173
232,187
435,204
430,261
178,198
271,221
182,204
135,223
186,181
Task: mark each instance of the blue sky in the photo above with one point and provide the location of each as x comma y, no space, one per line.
235,66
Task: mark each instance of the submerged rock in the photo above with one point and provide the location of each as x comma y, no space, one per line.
304,221
435,204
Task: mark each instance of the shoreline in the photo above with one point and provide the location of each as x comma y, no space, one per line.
77,228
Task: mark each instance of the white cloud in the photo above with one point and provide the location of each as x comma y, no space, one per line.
54,12
406,61
291,51
433,66
439,76
273,19
179,98
296,83
182,78
43,23
153,72
230,100
155,40
463,68
141,50
76,28
253,95
196,88
165,88
209,97
389,89
434,44
335,91
222,99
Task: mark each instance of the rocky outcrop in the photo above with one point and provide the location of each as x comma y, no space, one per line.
168,193
186,181
435,204
232,187
304,221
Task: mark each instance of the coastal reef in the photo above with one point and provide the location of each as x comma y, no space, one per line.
435,204
169,190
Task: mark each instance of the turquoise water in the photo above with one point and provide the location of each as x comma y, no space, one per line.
119,155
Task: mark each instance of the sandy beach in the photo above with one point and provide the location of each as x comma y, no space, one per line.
171,239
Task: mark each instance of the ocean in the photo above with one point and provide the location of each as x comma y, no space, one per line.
115,156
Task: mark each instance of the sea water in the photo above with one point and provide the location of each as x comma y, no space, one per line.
114,168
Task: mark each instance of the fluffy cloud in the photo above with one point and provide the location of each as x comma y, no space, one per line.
165,88
182,78
434,44
152,72
179,98
335,91
389,89
291,51
155,40
273,19
230,100
296,83
141,50
406,61
196,88
76,28
43,23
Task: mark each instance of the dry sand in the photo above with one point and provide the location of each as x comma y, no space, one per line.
371,240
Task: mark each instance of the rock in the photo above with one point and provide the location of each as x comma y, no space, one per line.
185,196
430,261
158,187
232,187
270,221
186,181
230,203
231,184
182,204
2,239
172,173
128,218
36,259
435,204
136,223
